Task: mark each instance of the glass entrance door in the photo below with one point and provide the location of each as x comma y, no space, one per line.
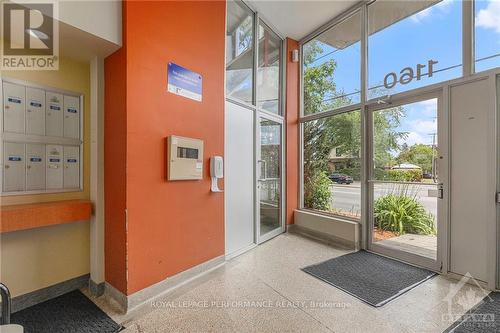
407,180
269,179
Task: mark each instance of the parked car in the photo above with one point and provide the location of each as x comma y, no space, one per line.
340,178
427,175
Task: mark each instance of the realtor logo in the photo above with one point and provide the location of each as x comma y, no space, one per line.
30,36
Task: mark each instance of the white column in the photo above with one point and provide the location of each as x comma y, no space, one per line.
97,175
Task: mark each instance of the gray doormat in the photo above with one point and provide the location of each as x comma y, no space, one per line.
484,318
373,279
69,313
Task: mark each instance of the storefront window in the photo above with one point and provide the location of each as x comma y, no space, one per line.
332,63
332,164
239,52
268,75
487,34
412,44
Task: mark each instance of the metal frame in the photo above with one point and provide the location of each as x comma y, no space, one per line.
278,118
442,217
468,47
497,254
263,114
442,89
42,139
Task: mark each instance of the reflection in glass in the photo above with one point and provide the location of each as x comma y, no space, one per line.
332,63
239,52
406,180
487,34
413,44
269,176
332,164
268,75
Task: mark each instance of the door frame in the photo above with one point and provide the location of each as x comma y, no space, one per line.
260,114
442,217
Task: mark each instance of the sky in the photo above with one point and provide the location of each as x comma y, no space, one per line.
432,34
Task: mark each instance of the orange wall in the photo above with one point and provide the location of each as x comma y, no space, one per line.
292,127
115,148
172,226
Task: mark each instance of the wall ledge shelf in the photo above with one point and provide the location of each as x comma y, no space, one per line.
37,215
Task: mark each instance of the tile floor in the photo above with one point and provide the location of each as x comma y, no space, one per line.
264,290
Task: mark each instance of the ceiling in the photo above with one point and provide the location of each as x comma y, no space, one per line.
296,19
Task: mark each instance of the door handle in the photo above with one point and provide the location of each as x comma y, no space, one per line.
436,193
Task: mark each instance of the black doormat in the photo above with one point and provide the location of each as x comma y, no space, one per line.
69,313
373,279
484,318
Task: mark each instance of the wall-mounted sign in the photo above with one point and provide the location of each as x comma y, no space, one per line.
407,74
183,82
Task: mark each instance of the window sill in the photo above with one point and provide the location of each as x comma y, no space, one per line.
334,229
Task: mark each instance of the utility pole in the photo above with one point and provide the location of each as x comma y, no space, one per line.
433,156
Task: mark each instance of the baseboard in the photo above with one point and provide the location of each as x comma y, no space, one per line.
132,302
38,296
322,237
240,252
96,289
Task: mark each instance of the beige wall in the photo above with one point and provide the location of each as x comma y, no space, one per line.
34,259
39,258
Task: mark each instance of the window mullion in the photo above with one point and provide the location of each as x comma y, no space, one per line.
468,37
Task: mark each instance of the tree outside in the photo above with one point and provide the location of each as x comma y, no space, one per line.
338,138
340,132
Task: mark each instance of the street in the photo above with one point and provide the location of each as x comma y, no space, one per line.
347,198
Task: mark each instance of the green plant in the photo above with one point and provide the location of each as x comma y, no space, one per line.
399,175
317,194
400,212
405,175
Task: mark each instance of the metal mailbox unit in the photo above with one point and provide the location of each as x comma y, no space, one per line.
42,139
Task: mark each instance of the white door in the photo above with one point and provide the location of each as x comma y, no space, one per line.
472,113
14,176
239,178
35,167
54,175
71,117
14,105
71,167
54,114
35,111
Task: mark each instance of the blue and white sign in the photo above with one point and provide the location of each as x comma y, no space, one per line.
183,82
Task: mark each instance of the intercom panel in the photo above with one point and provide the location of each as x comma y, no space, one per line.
185,158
